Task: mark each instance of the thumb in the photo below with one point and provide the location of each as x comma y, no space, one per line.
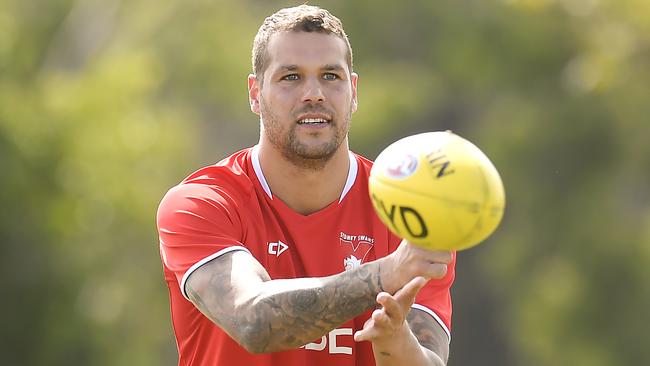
406,295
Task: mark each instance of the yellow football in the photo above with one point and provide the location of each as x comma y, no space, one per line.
437,190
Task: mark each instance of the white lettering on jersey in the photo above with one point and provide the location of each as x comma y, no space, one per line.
277,248
356,238
330,339
334,349
317,346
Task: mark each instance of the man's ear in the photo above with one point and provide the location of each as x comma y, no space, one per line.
254,93
354,77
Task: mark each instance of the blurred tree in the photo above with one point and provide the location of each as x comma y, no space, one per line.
87,149
104,105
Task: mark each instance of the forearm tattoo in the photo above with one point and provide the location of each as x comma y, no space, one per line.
293,313
299,316
428,332
217,311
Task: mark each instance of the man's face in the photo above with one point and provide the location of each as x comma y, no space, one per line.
307,97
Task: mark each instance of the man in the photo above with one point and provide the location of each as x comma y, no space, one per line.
274,256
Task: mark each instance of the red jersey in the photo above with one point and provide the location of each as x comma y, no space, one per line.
228,207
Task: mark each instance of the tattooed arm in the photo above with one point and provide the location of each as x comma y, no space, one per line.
421,342
401,335
430,335
265,315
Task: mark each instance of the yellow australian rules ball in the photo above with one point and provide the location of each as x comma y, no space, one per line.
437,190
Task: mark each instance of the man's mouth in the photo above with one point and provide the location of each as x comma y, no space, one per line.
312,121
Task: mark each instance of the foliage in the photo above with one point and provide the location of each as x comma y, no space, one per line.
104,105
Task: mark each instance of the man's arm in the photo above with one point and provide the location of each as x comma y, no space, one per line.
265,315
430,335
401,335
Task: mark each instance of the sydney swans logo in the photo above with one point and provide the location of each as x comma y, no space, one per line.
359,246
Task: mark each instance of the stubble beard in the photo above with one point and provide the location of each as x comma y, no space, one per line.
300,154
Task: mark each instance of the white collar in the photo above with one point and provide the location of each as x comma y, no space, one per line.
352,173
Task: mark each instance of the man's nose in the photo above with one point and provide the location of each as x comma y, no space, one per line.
313,91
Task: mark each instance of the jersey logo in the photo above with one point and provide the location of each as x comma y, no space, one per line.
358,247
351,263
277,248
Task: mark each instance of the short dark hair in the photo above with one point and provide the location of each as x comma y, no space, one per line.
303,18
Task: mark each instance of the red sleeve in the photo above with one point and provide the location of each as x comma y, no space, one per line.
197,223
435,296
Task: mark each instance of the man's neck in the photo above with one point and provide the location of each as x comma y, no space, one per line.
305,189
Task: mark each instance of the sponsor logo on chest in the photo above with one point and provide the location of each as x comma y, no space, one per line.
331,341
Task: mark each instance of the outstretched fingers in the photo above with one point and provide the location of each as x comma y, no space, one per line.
390,318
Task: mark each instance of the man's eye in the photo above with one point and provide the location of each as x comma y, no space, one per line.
291,77
330,76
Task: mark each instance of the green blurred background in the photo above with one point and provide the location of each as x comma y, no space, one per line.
105,104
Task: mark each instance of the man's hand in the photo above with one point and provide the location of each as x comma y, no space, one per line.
409,261
403,273
390,320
